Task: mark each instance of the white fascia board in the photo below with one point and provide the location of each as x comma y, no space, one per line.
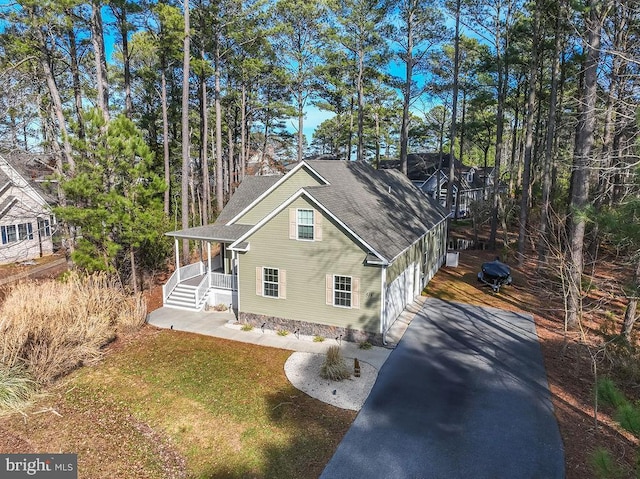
238,249
383,298
22,183
5,187
320,206
277,184
8,207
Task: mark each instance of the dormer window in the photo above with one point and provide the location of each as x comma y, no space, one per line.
305,224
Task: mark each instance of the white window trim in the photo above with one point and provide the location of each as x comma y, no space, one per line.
313,224
4,233
350,291
264,282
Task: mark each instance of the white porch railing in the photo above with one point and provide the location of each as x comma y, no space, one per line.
203,287
223,281
215,280
184,273
169,286
191,270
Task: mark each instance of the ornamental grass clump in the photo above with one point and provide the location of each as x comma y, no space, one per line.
53,327
334,368
16,388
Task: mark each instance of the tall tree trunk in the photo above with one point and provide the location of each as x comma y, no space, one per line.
350,136
230,159
57,104
300,97
75,75
97,40
185,131
550,142
126,58
513,162
406,96
360,85
204,147
376,119
454,110
502,93
218,108
581,161
531,114
165,140
440,154
243,132
462,124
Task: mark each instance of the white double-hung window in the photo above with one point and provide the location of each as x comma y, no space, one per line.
13,233
305,224
271,282
343,291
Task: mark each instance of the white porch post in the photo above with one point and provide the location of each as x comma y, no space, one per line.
209,261
177,248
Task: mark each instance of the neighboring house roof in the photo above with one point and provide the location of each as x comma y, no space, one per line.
422,165
383,210
29,173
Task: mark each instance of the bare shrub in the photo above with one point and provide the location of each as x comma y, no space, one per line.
334,368
54,327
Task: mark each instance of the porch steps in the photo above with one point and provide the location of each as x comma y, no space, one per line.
184,296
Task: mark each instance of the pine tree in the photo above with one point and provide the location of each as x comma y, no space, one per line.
114,199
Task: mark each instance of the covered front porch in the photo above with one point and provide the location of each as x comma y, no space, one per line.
212,280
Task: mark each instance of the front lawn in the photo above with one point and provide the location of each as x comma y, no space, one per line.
173,404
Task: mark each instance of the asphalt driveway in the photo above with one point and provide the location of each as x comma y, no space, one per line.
464,395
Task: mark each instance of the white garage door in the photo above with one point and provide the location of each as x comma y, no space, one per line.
398,294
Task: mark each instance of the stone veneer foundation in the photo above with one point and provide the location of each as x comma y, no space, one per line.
310,329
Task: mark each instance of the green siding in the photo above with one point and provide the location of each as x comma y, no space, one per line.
306,264
433,243
299,180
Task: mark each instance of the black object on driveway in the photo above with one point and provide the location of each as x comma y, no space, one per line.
495,274
464,395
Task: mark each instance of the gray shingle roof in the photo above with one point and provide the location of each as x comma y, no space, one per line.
382,207
214,232
250,188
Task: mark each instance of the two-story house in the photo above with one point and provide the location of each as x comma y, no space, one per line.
329,248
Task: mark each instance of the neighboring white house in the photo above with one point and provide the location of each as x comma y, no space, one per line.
26,219
428,170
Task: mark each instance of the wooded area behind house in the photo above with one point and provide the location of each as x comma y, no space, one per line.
152,112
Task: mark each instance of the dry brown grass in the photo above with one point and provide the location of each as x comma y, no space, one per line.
53,327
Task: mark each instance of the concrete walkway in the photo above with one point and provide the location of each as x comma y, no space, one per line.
219,325
464,395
